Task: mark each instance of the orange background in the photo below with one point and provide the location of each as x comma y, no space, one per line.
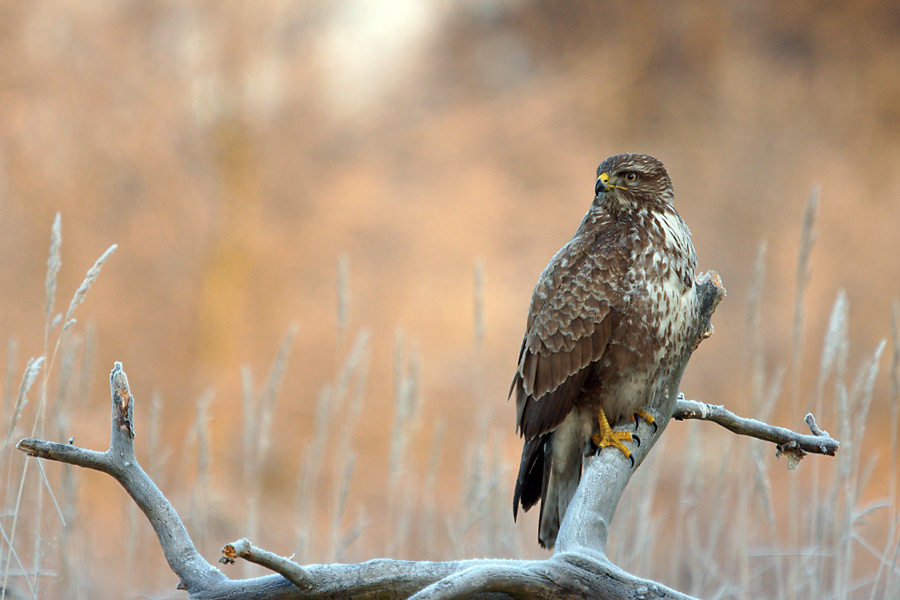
236,151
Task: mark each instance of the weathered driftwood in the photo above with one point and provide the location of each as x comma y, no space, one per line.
578,569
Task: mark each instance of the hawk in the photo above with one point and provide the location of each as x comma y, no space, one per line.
609,318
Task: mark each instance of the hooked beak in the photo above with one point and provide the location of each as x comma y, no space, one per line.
602,184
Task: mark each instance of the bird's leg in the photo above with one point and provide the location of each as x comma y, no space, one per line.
609,437
645,416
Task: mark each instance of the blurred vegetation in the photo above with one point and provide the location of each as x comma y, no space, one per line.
342,167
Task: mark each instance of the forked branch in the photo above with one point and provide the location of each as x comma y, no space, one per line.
578,569
120,462
819,442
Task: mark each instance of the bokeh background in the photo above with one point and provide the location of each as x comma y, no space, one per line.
390,178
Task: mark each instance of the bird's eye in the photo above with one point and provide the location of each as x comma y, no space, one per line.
630,176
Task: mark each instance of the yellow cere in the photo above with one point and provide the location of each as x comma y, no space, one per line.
604,177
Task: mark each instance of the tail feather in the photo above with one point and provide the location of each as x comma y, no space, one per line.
550,471
562,479
562,468
531,482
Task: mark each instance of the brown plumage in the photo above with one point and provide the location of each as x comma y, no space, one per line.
609,317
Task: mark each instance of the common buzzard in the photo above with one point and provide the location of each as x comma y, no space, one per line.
609,317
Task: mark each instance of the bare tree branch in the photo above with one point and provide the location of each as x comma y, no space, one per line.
584,530
563,576
120,462
817,443
578,569
378,579
279,564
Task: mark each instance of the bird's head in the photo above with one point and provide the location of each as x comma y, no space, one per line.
633,181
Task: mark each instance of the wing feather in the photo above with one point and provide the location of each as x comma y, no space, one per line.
531,363
575,356
569,325
543,381
563,362
600,339
587,350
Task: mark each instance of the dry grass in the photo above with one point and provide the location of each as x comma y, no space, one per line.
718,526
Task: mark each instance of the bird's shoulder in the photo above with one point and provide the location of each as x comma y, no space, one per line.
586,278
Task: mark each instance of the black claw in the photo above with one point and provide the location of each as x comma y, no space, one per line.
595,449
652,423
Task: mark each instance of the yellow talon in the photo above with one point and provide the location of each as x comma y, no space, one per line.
609,437
645,416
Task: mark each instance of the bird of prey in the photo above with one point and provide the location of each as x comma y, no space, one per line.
609,318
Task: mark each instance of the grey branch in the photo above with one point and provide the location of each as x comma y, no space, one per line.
120,462
285,566
578,569
788,441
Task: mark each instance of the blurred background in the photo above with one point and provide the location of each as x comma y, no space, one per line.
390,178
